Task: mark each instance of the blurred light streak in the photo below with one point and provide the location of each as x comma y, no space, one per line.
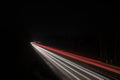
81,58
77,66
55,63
59,59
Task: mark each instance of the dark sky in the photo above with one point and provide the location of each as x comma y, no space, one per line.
72,26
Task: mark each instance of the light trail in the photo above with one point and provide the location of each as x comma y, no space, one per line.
83,59
58,59
100,77
55,63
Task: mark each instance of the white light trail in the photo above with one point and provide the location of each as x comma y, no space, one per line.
52,61
53,57
69,67
100,77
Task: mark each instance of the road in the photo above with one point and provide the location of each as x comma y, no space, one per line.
73,68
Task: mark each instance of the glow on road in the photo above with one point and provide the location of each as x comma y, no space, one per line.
77,72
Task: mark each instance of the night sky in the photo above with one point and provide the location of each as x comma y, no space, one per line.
84,28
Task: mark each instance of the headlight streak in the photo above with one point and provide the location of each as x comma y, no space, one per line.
52,61
52,56
66,66
83,59
100,77
62,74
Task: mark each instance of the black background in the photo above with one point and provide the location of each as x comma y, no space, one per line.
85,28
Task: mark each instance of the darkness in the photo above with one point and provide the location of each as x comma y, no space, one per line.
88,28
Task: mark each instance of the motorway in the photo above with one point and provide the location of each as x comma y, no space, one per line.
76,68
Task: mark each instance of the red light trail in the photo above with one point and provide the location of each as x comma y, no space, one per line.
81,58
